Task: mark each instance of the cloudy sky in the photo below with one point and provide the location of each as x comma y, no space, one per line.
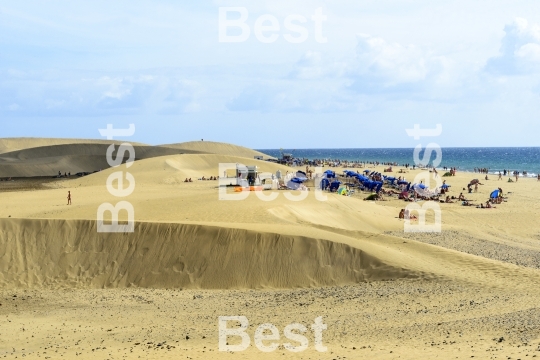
356,75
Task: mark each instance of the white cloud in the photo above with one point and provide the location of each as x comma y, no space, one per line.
380,66
76,93
520,50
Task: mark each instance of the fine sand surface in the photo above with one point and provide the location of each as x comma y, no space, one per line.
70,292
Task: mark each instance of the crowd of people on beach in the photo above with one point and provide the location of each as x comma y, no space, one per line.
400,188
204,178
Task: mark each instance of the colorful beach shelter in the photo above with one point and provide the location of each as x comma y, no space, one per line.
494,194
294,183
301,175
343,191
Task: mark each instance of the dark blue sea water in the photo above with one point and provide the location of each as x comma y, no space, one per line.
465,159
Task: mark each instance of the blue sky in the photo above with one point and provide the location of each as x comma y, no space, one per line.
68,68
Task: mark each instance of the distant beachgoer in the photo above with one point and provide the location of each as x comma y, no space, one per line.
538,177
402,214
487,177
408,216
69,198
186,180
448,201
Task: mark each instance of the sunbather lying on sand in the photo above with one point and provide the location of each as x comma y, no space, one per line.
487,206
408,215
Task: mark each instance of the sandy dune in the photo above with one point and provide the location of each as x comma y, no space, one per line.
29,157
74,158
471,291
159,255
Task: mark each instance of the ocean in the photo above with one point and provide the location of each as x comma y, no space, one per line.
464,159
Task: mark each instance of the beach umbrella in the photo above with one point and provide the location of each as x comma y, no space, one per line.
367,171
342,191
330,174
293,186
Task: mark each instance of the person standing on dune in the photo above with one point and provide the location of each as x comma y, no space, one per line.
69,198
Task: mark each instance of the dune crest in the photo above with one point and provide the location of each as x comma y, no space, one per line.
21,143
212,147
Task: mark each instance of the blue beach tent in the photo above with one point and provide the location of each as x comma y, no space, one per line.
325,183
335,185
